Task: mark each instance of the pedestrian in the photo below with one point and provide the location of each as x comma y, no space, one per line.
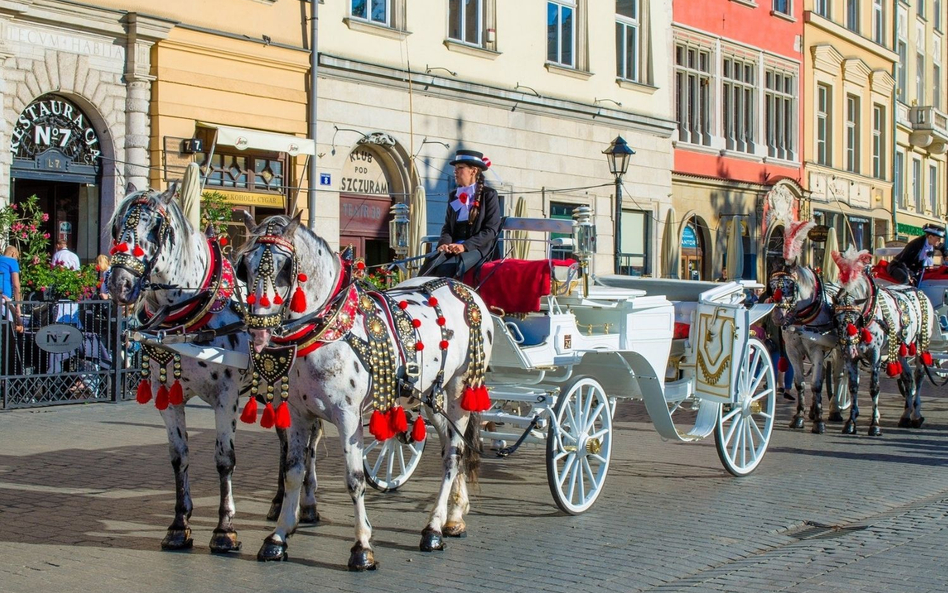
102,267
723,276
775,346
10,287
63,257
471,222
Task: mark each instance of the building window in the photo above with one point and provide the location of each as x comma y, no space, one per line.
627,39
852,15
922,7
878,22
936,14
936,86
375,11
561,33
920,78
738,103
693,94
466,21
878,141
780,106
933,190
635,241
822,8
852,133
898,184
242,172
903,56
561,211
917,184
824,128
782,6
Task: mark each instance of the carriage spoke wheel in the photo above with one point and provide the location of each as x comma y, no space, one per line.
578,452
389,464
744,428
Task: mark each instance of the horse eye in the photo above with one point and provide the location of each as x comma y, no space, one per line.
286,270
240,270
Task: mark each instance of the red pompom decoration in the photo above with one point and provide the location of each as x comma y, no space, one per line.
249,415
442,321
903,351
283,416
783,364
443,344
483,398
778,295
123,247
138,252
912,349
264,301
143,395
402,305
416,323
302,277
298,302
419,346
379,426
251,299
397,420
486,162
851,330
866,336
469,400
432,302
223,241
360,265
277,300
269,416
418,431
161,399
927,359
176,394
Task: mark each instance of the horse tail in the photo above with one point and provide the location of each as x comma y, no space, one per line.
471,457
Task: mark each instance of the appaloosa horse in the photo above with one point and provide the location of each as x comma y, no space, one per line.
329,349
874,322
182,284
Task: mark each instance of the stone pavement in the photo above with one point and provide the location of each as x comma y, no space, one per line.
87,491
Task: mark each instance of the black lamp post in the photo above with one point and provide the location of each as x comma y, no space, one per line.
618,155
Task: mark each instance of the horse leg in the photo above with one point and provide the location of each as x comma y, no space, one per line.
452,447
852,369
178,536
917,418
224,538
797,421
361,555
874,429
819,427
459,503
297,435
833,381
277,503
308,512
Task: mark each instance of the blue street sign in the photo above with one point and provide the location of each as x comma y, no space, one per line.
325,179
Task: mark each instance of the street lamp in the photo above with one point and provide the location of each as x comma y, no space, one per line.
618,155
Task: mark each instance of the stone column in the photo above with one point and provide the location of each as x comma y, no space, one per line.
137,133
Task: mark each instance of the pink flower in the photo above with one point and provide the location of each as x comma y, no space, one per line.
32,228
13,206
36,259
23,235
46,235
42,289
45,217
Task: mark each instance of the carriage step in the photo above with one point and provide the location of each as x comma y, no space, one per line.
513,420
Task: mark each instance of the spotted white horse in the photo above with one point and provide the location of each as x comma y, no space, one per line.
875,324
334,351
182,284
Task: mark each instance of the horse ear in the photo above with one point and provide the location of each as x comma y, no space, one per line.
130,189
249,222
294,224
169,195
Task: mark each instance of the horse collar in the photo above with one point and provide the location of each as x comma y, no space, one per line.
336,320
812,311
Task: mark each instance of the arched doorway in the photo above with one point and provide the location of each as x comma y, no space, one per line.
774,257
693,251
56,158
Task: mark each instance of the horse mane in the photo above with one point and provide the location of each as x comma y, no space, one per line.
154,200
851,264
282,221
793,239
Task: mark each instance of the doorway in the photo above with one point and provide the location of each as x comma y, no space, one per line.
61,201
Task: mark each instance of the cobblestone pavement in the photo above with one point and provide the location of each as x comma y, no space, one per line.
87,491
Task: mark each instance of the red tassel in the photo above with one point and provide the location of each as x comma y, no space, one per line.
778,295
251,299
269,417
176,394
277,300
161,400
143,396
927,359
264,300
483,398
283,416
469,400
418,431
866,336
892,369
851,329
912,350
138,252
298,302
783,364
398,422
123,247
379,426
903,351
249,415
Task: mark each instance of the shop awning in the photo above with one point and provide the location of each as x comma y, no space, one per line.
243,139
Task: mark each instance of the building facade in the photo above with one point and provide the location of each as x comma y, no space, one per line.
737,84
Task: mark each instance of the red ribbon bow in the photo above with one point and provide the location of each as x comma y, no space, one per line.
463,198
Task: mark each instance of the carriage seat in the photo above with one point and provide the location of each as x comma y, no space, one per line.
880,271
518,285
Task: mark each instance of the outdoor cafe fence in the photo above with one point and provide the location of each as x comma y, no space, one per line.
68,353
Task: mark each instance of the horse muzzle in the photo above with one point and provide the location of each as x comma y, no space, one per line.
260,338
124,286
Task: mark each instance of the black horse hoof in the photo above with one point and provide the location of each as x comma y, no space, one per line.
458,529
275,509
431,540
849,427
177,539
309,514
905,422
875,431
797,422
224,541
835,417
272,551
361,559
819,427
917,422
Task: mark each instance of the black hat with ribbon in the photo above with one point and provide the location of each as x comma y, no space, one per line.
934,229
472,158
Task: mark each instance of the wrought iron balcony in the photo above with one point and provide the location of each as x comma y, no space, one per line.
929,128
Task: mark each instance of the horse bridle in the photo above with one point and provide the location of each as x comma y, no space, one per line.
266,273
127,254
850,312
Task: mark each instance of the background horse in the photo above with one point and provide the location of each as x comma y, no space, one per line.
357,351
804,314
161,263
874,322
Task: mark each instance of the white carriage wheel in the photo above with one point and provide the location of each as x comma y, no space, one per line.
579,450
389,464
743,429
841,386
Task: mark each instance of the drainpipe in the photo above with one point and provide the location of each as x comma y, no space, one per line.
895,111
313,70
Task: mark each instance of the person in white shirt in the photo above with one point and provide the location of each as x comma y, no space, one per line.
63,257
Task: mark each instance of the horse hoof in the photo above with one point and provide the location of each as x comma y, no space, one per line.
849,427
177,539
835,417
271,551
875,431
361,559
431,540
917,422
458,529
224,541
797,422
819,427
905,422
309,515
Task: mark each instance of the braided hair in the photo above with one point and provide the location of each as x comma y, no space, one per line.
478,193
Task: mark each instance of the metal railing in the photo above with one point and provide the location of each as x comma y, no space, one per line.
67,353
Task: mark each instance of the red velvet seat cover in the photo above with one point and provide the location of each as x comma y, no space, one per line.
516,285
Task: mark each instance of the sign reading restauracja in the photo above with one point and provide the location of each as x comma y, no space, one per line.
53,122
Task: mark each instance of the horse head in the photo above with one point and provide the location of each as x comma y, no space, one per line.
141,228
847,317
783,288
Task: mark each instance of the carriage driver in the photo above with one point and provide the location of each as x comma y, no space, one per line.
906,267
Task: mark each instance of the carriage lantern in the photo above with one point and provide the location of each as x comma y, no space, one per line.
398,230
584,241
